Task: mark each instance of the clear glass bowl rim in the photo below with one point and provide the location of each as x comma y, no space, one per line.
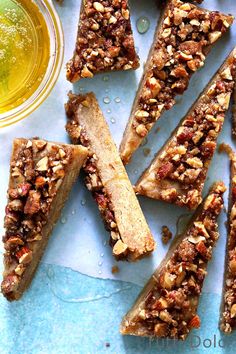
55,63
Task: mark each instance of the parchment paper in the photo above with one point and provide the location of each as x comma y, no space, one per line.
79,239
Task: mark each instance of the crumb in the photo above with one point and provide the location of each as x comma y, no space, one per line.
166,234
115,269
108,345
225,148
157,130
146,151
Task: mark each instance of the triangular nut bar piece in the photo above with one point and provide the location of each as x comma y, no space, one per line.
167,306
178,172
41,176
108,181
183,38
105,40
228,308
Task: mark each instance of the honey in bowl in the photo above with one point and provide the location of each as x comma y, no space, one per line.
24,51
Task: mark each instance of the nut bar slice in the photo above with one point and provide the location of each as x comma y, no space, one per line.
105,40
228,308
107,180
41,176
167,306
178,172
184,37
234,114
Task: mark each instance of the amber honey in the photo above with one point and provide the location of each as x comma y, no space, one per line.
24,51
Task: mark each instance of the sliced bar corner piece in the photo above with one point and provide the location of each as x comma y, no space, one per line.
228,306
234,114
108,181
167,306
178,172
183,39
104,41
41,176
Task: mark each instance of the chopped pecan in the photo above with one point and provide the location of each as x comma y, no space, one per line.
104,41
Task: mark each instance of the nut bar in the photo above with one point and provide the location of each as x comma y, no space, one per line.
107,180
234,115
41,176
178,172
228,308
167,306
105,40
183,39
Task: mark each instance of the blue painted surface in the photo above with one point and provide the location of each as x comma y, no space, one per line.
65,312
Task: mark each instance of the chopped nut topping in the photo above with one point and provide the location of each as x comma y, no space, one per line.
169,302
182,165
228,315
29,203
105,40
179,50
166,234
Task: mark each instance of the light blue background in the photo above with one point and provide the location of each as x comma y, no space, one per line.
66,311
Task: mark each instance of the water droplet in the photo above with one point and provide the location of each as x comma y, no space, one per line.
83,201
117,99
99,272
113,120
102,254
73,212
106,100
106,90
63,220
108,111
105,78
81,89
100,264
135,172
104,243
143,24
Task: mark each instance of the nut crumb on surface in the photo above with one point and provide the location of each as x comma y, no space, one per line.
223,147
115,269
166,234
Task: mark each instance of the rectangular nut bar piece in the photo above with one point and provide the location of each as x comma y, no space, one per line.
105,40
167,306
107,179
183,39
228,307
41,176
178,172
234,114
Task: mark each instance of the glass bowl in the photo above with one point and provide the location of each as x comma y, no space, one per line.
53,69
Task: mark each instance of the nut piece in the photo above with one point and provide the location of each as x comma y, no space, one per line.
233,311
213,36
86,72
19,270
232,265
32,205
24,255
141,130
119,248
42,165
98,6
167,281
224,99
